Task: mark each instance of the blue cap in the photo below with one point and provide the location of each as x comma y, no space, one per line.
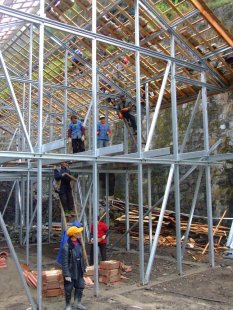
77,224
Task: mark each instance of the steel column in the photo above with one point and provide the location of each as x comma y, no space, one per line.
65,100
50,208
207,171
27,214
39,162
139,143
94,139
30,78
175,152
127,211
107,202
149,205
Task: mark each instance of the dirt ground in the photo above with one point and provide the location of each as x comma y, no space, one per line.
199,286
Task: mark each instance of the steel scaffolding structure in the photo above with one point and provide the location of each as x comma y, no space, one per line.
173,60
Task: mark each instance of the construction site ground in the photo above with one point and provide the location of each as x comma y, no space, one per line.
199,286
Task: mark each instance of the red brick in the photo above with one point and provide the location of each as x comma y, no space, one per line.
108,280
109,272
52,285
89,271
53,293
109,264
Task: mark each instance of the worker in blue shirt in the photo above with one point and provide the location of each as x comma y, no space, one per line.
76,132
103,132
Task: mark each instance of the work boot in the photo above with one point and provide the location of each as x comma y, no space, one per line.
80,306
68,302
77,298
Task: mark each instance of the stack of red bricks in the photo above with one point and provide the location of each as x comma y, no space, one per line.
3,257
53,284
109,272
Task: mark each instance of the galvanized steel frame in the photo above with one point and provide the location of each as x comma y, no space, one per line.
173,161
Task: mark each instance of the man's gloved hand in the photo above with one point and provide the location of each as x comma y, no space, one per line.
83,138
103,237
68,279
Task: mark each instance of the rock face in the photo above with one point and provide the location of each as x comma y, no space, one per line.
220,111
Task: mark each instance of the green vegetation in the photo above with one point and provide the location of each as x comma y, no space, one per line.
54,69
214,4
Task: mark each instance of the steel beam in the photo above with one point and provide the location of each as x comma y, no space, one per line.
187,133
159,225
92,35
8,199
194,201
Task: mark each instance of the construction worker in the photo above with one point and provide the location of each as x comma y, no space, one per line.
73,268
76,61
76,132
103,132
65,191
125,110
103,231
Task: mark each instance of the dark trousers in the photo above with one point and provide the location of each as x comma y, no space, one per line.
78,145
129,117
67,201
80,65
78,284
103,253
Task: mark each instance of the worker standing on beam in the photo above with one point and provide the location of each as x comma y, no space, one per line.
76,133
103,132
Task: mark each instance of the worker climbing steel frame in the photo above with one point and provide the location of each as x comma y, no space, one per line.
196,159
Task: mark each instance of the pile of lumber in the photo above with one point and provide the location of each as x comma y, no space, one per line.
3,259
109,272
198,231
